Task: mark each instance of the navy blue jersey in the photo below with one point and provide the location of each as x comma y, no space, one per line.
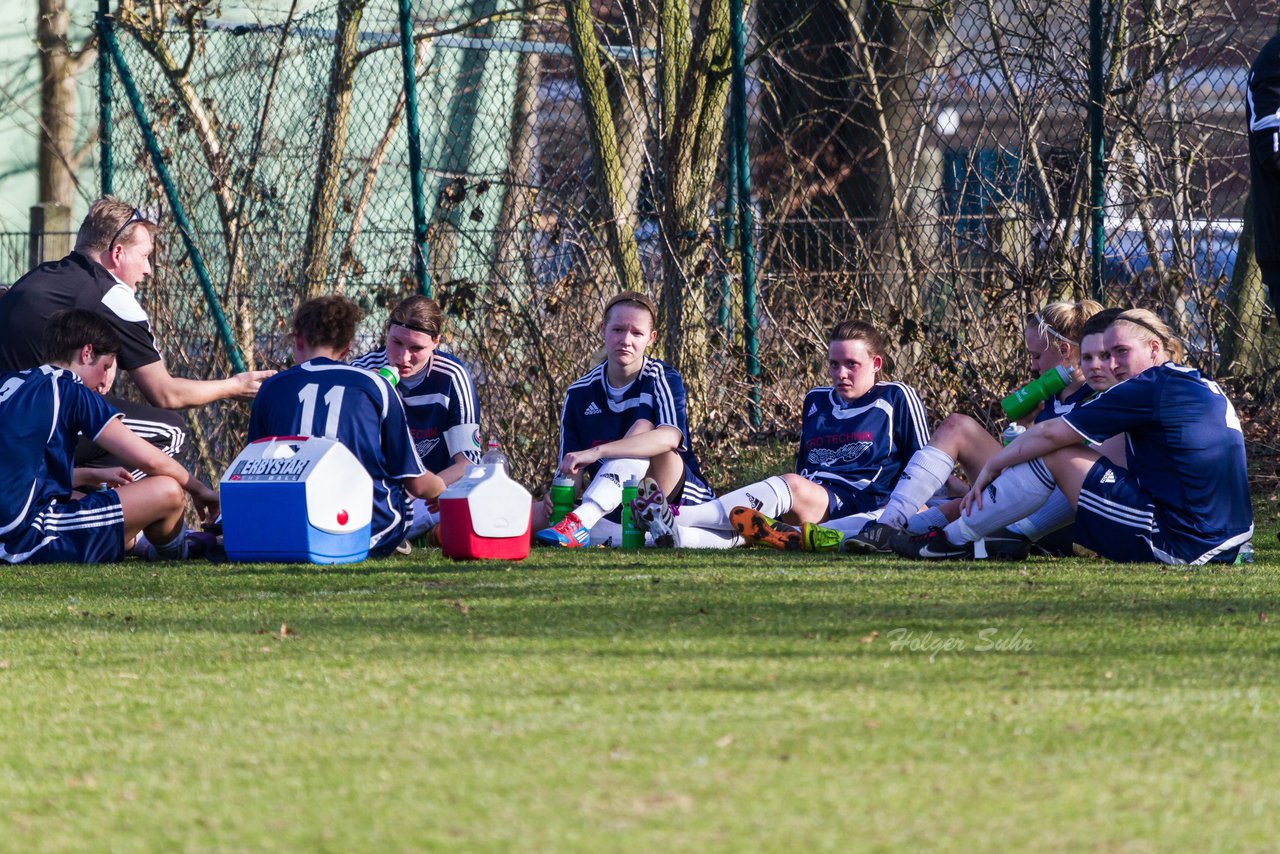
1054,408
595,413
44,410
440,403
862,445
1184,447
322,397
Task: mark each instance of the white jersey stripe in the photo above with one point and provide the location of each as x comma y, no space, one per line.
380,384
1118,513
920,417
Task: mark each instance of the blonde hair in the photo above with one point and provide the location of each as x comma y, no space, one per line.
108,222
1150,327
1062,321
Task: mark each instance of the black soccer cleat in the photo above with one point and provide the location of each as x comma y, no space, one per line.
1007,545
874,538
931,545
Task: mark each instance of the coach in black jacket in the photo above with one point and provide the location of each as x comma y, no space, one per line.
111,257
1262,107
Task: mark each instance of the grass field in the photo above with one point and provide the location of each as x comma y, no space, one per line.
623,701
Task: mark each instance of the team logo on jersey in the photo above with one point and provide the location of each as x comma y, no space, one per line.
1108,476
426,446
592,409
829,458
813,409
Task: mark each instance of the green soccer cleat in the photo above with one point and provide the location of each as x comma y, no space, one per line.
816,538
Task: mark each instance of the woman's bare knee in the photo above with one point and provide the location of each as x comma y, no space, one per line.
666,469
955,431
808,499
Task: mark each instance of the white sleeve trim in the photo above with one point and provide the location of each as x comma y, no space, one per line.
123,303
463,439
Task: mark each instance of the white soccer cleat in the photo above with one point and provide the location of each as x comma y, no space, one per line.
651,512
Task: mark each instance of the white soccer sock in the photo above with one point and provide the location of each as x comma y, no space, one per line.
931,517
606,532
605,491
770,496
926,472
423,520
1019,491
705,538
1056,513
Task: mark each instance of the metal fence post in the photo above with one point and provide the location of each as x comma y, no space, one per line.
746,220
110,44
103,22
1097,152
407,62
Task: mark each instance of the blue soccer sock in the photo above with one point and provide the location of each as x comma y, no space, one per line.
1056,513
931,517
175,549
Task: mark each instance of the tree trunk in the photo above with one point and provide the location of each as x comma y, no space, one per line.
693,134
1246,301
333,144
517,202
605,146
57,104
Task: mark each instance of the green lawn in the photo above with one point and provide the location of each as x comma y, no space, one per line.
657,701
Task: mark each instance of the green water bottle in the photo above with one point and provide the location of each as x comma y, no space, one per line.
1029,396
389,374
632,536
561,498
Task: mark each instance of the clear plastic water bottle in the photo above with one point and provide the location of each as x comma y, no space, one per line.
389,374
494,456
1012,432
1244,554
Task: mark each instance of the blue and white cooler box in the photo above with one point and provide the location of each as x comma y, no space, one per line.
296,498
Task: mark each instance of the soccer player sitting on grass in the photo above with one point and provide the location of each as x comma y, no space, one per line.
43,410
323,396
855,438
1052,337
1183,496
438,395
624,419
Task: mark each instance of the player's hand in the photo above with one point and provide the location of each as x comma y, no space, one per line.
205,501
91,478
973,498
576,461
248,383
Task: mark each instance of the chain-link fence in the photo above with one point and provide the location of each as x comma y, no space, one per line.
926,165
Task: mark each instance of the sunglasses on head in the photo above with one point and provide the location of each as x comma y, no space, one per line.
135,217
